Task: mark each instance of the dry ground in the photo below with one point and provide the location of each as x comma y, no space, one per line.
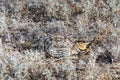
59,39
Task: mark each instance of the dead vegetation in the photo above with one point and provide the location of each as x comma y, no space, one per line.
59,39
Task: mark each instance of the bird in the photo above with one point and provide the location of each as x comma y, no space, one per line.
82,45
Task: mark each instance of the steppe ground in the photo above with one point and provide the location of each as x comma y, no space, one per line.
59,39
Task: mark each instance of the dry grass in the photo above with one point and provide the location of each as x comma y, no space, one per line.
37,40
